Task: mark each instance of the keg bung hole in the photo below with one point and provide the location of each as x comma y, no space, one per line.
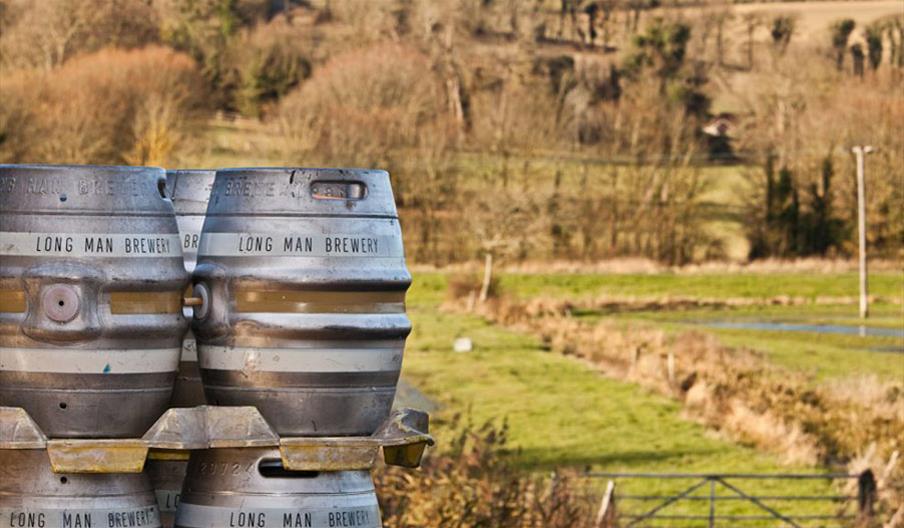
62,303
63,405
338,190
64,480
63,197
273,468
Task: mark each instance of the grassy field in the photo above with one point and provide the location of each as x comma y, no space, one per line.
561,412
825,355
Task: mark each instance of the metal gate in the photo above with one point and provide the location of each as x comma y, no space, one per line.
698,496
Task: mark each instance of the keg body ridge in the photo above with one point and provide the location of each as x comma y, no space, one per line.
91,284
305,277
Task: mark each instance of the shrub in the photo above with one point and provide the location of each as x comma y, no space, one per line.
112,106
267,63
471,484
362,103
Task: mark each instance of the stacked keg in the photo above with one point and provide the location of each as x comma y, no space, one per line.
302,278
91,329
299,312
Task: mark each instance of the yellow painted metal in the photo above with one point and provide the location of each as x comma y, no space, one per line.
408,456
97,456
167,454
122,303
12,301
271,301
328,453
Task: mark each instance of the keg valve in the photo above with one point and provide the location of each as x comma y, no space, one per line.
199,301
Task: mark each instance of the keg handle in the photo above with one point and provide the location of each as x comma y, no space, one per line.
199,300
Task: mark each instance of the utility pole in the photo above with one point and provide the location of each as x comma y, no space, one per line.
861,151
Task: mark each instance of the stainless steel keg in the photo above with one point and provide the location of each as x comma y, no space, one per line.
248,488
304,278
167,473
189,191
91,284
32,496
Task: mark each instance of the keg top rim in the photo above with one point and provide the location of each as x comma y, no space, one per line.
332,171
84,190
192,171
73,166
291,191
189,189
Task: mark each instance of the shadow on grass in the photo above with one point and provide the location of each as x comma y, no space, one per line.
550,458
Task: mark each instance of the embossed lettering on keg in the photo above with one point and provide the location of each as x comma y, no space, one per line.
91,281
31,495
248,487
189,191
305,278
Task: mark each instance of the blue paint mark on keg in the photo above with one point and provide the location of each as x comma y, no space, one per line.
107,368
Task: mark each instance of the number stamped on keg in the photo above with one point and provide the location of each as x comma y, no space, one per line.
90,245
198,516
143,517
300,245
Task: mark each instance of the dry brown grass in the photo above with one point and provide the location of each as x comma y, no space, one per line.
469,484
636,303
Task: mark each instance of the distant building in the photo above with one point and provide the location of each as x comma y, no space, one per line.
719,132
722,125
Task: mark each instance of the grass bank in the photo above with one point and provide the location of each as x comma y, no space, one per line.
717,285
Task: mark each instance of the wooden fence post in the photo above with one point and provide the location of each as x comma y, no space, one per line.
867,492
605,517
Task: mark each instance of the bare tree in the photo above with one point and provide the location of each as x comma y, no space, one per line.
752,21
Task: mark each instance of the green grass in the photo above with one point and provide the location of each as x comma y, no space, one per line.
561,412
720,285
825,356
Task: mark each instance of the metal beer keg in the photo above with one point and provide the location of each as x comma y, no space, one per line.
91,284
167,476
248,488
304,278
32,496
189,191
